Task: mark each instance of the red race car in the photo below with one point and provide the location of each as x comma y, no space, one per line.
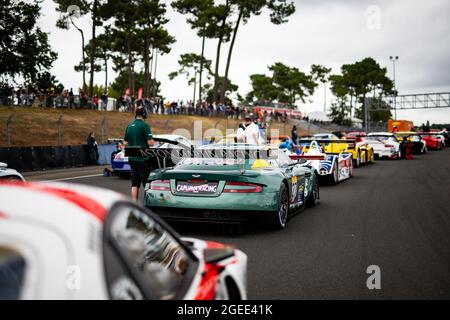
433,142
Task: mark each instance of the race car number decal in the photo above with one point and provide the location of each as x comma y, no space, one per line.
294,189
297,192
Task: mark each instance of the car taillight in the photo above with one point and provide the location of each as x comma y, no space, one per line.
242,187
389,146
160,185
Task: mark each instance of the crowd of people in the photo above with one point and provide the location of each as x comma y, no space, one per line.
63,98
52,97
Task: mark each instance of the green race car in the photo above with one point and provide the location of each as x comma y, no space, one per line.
233,183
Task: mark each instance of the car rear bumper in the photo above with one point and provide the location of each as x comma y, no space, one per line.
212,216
232,207
385,153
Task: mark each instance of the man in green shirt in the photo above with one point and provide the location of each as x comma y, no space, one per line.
139,134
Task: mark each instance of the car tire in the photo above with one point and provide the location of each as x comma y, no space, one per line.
357,161
281,216
335,175
399,154
313,199
372,156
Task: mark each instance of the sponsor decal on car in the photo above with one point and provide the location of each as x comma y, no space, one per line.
204,188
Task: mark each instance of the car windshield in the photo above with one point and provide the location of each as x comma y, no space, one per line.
12,274
154,253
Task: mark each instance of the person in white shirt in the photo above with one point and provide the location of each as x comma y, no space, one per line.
251,131
240,134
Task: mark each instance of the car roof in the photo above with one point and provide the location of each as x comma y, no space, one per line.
390,134
39,200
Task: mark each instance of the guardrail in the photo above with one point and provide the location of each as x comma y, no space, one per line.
43,158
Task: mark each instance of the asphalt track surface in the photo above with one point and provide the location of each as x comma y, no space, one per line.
393,214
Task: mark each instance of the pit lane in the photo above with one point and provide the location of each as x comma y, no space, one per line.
393,214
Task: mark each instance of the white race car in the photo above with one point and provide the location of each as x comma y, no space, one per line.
334,167
9,174
384,144
60,241
120,164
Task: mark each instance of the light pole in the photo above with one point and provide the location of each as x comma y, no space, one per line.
394,59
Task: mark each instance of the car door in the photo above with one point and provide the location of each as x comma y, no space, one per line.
144,258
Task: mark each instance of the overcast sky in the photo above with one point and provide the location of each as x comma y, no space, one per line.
327,32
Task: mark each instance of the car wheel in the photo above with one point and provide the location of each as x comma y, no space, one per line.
399,154
281,217
357,161
313,198
372,156
335,174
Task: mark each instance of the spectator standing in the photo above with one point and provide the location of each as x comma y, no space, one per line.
95,101
251,131
240,134
93,148
104,100
71,99
294,134
139,134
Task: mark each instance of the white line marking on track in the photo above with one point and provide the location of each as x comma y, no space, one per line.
74,178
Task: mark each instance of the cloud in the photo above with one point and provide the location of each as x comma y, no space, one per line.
327,32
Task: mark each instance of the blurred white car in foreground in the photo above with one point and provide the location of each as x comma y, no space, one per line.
60,241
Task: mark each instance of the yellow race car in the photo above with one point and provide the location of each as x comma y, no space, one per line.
360,150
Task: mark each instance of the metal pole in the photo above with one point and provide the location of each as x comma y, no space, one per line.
195,87
366,115
394,59
395,92
325,97
154,74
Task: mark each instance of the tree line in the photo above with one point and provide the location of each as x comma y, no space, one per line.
131,35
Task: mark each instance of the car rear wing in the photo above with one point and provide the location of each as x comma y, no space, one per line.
350,142
168,157
308,157
160,157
